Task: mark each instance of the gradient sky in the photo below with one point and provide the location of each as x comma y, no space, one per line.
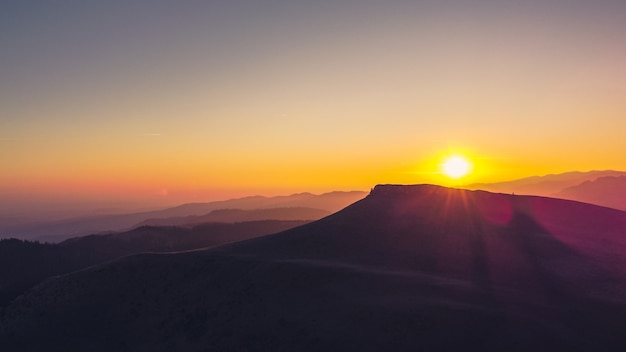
169,101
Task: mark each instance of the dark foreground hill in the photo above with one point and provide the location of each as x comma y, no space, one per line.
409,268
24,263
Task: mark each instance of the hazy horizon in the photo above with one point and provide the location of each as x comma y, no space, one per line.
40,208
50,207
152,104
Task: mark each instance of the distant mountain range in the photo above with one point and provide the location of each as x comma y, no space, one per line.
239,215
605,188
609,191
57,231
408,268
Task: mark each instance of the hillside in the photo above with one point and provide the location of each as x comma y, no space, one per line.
24,263
407,268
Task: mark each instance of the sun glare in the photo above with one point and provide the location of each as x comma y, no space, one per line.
456,166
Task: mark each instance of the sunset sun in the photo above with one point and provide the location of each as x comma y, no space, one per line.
456,166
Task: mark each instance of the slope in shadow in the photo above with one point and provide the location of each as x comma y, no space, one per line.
24,264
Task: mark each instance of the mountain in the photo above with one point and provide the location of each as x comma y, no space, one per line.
609,191
239,215
407,268
24,263
57,231
547,185
603,188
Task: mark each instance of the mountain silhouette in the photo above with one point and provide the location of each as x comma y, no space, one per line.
548,185
407,268
608,191
240,215
57,231
25,263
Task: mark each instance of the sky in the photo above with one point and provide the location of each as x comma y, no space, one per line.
162,102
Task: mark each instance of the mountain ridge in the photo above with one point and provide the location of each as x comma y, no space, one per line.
36,261
545,185
567,185
57,231
607,190
240,215
406,268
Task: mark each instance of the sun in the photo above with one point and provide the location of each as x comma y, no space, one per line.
456,166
